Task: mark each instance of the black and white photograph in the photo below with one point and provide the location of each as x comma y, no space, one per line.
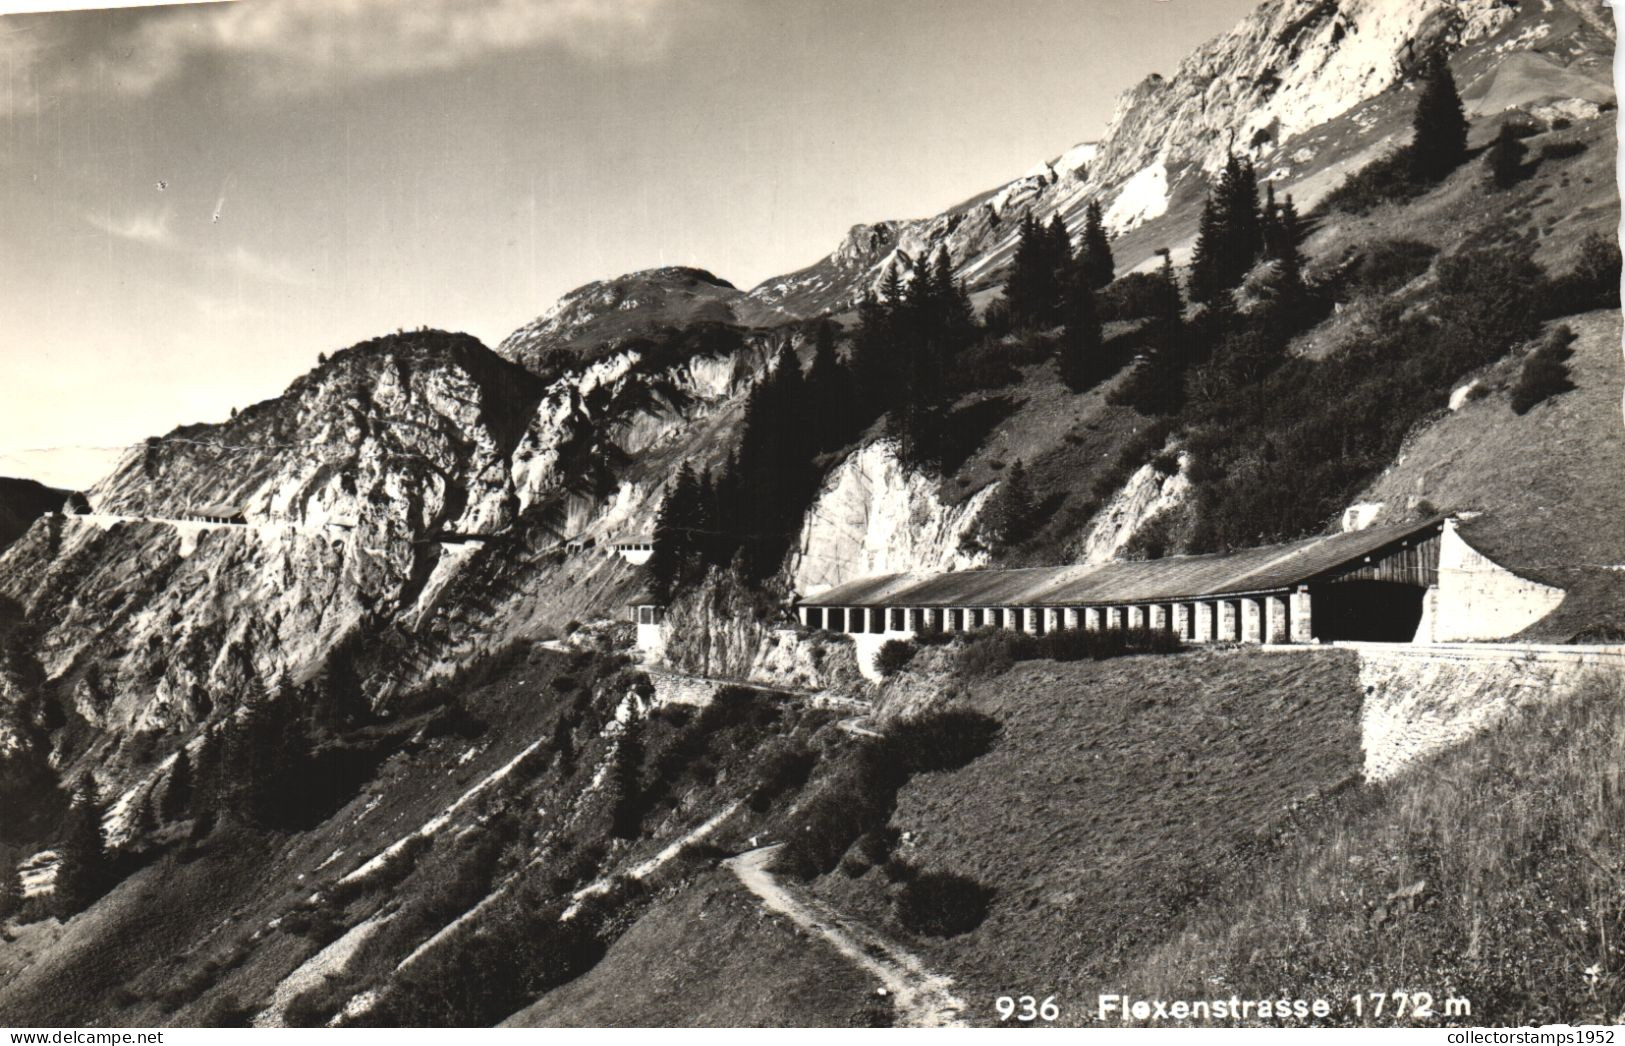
655,514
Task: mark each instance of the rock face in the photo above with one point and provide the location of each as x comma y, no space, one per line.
418,486
1306,88
1147,494
600,316
873,516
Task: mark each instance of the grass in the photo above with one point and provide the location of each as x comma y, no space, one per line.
1494,874
1115,794
710,958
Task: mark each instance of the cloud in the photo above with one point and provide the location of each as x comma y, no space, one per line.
298,46
271,270
149,227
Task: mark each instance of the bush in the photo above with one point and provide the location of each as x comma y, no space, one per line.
994,651
944,740
1132,296
1382,265
942,904
1562,149
894,656
1544,372
1593,283
1385,180
986,365
786,764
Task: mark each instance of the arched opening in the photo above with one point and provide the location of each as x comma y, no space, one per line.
1372,611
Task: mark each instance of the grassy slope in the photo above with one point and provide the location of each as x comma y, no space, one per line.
1518,840
1116,793
1552,474
712,958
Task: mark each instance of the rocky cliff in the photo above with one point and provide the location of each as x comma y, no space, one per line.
1308,89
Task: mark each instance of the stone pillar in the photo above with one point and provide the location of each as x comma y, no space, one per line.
1136,617
1252,620
1115,619
1275,619
1182,620
1052,619
1226,628
1091,619
1072,620
1035,620
1301,629
1159,618
1204,622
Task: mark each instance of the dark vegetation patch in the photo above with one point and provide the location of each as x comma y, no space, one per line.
942,904
857,796
994,651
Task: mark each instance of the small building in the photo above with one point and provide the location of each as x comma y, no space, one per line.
1382,584
647,615
217,514
636,549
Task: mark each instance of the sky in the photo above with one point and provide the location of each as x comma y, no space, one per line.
196,200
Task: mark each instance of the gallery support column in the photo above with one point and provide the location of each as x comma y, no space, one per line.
1136,617
1302,627
1159,618
1182,620
1252,620
1204,622
1226,627
1275,630
1092,619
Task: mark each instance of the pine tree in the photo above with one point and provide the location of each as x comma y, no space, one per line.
1505,158
11,886
1098,267
83,868
1157,385
177,796
627,773
1012,512
1032,289
828,391
1439,138
677,551
1208,253
1081,353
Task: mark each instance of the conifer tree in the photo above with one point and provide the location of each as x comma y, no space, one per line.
1098,267
626,814
1439,127
177,796
83,867
828,391
1157,385
1505,158
1012,512
1081,354
11,886
676,554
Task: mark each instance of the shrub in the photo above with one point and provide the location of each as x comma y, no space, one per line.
785,764
994,651
1384,180
944,740
894,656
1132,296
1562,149
986,365
942,904
1382,265
1544,372
1593,283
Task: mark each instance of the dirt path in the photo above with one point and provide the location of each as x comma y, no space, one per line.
921,997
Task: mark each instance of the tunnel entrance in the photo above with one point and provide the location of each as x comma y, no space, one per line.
1369,611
